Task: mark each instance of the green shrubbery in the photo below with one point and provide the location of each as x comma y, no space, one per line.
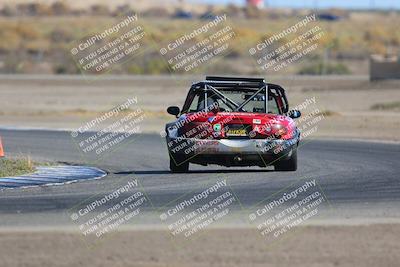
14,167
386,106
319,68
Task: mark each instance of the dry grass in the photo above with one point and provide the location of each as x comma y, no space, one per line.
386,106
14,167
52,38
328,113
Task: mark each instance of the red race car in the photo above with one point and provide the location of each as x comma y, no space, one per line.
233,122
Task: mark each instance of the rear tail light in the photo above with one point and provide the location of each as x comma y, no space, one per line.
283,132
275,131
279,130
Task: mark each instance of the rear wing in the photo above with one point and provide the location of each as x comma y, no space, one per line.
235,79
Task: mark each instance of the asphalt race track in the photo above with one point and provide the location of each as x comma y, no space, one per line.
360,179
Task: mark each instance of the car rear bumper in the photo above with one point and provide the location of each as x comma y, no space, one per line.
230,152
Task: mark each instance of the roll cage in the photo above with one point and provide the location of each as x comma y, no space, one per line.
214,84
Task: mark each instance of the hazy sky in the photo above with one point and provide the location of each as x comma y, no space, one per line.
381,4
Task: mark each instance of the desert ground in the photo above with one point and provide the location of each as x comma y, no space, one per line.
365,245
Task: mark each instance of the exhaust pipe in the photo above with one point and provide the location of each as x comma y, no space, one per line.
237,158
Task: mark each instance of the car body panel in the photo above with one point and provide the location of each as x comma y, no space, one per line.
232,138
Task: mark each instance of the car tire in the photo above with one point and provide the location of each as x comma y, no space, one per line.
289,164
178,166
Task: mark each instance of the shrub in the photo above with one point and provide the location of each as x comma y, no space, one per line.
60,8
14,167
157,66
100,10
386,106
319,69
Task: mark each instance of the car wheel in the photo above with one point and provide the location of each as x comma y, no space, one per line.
177,165
289,164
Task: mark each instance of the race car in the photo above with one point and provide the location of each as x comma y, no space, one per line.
232,121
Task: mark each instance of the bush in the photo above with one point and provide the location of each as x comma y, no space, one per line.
8,11
60,35
123,11
60,8
157,66
60,69
14,167
100,10
158,12
386,106
135,69
319,69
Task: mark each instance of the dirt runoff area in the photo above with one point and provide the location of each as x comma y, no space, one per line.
368,245
350,106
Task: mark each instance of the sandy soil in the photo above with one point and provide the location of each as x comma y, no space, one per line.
373,245
67,102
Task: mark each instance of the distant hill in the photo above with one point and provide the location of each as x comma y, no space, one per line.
138,4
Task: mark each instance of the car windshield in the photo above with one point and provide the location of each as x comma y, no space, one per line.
232,99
